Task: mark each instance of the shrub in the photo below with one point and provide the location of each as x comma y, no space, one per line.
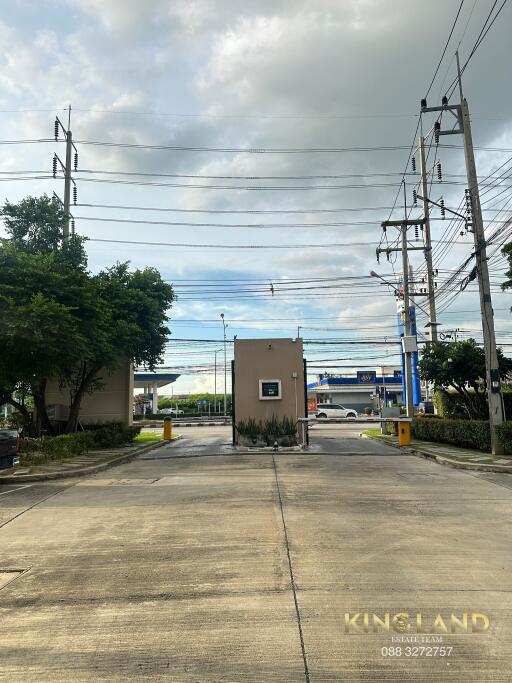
249,427
47,448
111,434
464,433
271,429
368,410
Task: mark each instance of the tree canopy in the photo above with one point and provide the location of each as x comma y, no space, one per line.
59,320
461,366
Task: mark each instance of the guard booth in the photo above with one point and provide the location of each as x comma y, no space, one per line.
269,380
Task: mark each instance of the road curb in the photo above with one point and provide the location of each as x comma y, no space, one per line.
442,460
84,471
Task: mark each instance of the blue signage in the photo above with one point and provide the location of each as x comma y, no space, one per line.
366,376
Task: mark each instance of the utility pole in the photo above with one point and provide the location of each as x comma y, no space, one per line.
492,372
66,169
409,343
428,244
225,366
407,325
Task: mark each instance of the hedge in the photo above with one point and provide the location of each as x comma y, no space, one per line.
474,434
451,406
47,448
111,434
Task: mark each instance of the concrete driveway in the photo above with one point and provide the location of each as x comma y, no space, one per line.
194,564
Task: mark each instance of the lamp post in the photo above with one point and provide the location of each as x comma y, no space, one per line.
224,325
215,381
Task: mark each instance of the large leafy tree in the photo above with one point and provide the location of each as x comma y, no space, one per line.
461,366
132,326
61,322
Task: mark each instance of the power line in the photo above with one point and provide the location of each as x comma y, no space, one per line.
445,48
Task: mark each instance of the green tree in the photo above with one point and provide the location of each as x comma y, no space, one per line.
61,322
42,287
132,327
461,366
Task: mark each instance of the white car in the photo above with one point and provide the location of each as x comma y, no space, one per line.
334,410
171,411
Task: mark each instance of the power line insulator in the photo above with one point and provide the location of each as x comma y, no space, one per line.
444,101
56,130
436,272
439,171
413,164
75,194
415,198
441,206
437,128
416,232
54,166
73,226
75,161
423,103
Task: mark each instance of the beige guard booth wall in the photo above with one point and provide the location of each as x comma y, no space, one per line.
269,359
114,403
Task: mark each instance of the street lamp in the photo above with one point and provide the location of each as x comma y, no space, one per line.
224,325
215,381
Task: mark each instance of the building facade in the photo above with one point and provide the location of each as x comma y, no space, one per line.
358,389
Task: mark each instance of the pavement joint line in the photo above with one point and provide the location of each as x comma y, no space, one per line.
55,493
292,578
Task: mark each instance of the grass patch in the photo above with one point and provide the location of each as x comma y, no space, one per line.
148,437
373,432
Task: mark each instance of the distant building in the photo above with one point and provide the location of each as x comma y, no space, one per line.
355,389
150,382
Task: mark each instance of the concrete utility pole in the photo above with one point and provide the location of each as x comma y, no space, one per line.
66,169
67,182
407,324
225,366
428,244
409,344
463,123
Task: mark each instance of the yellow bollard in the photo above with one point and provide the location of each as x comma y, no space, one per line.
167,428
404,434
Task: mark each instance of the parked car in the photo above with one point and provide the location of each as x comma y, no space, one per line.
171,411
334,410
9,443
426,408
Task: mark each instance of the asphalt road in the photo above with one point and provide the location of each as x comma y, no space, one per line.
194,564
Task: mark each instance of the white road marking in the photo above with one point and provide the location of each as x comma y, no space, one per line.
26,486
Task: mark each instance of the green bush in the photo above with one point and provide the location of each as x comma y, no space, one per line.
111,434
249,428
47,448
273,428
473,434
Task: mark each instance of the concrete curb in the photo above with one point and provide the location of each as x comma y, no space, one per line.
67,474
442,460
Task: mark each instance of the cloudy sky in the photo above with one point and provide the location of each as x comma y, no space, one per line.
268,141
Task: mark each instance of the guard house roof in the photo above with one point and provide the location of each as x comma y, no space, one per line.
161,379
